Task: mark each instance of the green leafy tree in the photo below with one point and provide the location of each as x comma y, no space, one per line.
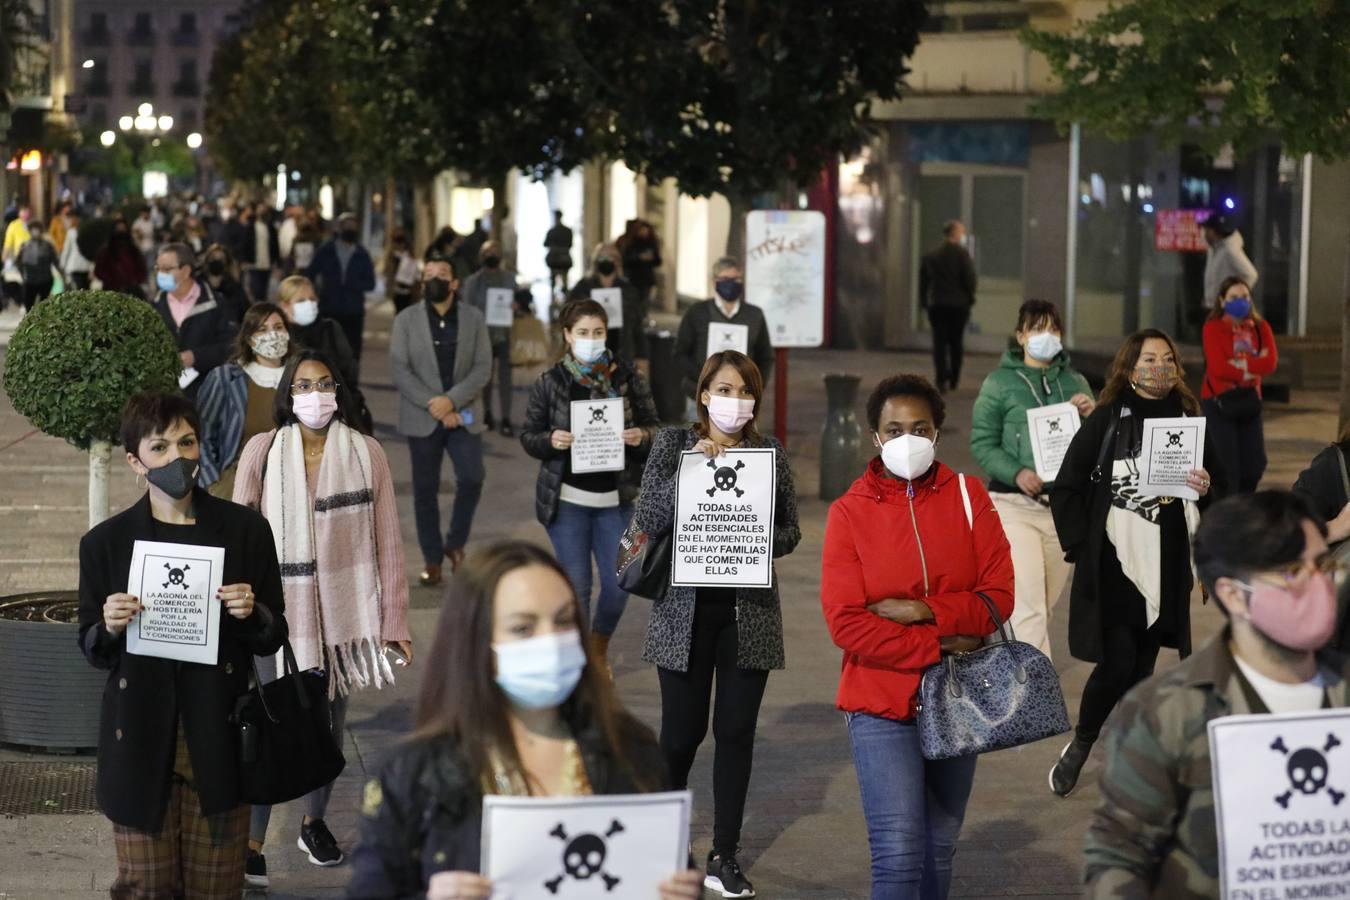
73,362
1217,72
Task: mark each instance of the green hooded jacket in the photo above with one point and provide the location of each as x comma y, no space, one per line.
998,430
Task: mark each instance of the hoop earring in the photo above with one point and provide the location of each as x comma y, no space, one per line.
141,483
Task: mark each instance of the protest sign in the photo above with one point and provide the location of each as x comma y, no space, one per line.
500,307
1280,782
612,300
724,510
597,435
1052,429
726,336
177,585
584,848
1172,448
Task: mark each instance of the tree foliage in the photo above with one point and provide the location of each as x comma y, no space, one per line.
1209,72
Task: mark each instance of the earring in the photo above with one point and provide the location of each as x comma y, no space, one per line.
141,482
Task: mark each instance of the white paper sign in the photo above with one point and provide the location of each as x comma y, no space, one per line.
612,300
177,585
500,310
584,848
1052,429
1172,448
724,519
597,435
785,274
725,336
186,377
1281,783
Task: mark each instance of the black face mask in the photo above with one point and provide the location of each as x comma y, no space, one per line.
492,262
349,235
216,267
605,267
437,290
176,478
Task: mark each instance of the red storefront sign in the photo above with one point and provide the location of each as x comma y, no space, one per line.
1179,230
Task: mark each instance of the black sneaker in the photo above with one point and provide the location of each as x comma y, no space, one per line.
725,875
506,430
1064,774
255,870
316,840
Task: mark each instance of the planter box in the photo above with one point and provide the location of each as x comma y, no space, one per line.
49,694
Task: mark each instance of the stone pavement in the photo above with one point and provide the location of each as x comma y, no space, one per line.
804,835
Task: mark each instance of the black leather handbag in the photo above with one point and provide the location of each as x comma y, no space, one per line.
285,732
1241,404
644,562
1002,695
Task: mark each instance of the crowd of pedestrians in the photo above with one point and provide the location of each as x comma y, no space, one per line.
920,564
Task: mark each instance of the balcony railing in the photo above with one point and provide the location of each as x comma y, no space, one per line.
186,38
138,38
191,88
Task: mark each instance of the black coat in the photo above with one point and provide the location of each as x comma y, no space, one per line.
145,695
1322,484
1080,505
947,278
422,812
691,341
209,331
327,337
550,408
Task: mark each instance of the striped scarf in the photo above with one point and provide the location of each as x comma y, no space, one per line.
326,546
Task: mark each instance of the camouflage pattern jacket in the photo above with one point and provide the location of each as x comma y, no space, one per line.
1153,833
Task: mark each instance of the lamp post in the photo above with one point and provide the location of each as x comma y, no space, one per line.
145,129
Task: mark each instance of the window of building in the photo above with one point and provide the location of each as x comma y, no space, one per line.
98,23
143,83
98,115
187,23
189,118
143,24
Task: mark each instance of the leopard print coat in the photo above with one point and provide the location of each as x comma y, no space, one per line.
759,616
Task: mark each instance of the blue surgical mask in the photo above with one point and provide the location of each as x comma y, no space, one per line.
1044,346
165,281
540,672
1238,307
588,350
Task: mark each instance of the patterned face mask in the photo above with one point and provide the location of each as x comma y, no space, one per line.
1156,380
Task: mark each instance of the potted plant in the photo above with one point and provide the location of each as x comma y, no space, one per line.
70,367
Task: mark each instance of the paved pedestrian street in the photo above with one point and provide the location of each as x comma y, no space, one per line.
804,834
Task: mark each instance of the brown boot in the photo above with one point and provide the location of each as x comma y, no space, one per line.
431,575
600,649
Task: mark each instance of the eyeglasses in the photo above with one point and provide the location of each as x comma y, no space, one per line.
1297,572
323,386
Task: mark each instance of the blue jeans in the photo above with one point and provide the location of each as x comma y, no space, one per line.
579,533
466,455
914,808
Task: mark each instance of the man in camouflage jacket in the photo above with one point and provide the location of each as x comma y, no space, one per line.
1154,832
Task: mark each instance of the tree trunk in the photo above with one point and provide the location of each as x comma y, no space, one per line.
100,460
500,209
740,206
424,216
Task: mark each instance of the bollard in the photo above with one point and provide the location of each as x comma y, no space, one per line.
840,438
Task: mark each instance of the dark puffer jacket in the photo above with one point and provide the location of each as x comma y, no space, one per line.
550,409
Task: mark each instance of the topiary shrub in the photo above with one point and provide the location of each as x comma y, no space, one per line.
74,361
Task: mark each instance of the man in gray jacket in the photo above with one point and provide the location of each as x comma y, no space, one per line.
1226,257
441,360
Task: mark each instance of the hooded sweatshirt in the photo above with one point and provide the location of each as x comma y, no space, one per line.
888,538
999,436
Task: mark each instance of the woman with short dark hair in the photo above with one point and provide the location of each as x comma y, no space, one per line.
327,491
732,633
515,707
168,766
586,514
909,549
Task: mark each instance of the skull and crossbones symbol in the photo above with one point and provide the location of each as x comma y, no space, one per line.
584,857
598,414
724,478
1308,771
176,576
1174,438
1054,426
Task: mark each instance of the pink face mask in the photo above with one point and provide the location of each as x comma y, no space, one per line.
315,409
1300,621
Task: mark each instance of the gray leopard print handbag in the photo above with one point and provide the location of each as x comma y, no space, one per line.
1002,695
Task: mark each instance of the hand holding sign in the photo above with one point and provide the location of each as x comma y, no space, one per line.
180,594
597,432
1172,458
724,512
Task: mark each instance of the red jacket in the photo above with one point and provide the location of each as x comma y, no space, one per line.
877,540
1221,337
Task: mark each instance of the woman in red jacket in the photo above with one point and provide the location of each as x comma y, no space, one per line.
902,566
1239,349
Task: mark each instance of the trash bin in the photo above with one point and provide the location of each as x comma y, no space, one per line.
665,375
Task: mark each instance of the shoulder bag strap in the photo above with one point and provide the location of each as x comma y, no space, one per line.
965,500
1108,444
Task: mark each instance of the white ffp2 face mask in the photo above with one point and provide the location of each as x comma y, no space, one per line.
908,456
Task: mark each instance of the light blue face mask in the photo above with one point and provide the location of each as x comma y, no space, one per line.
540,672
588,350
165,281
1044,346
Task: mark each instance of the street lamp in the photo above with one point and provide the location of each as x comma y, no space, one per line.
194,141
125,123
146,109
108,138
88,64
166,123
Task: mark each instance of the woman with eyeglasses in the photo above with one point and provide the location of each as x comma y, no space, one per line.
327,491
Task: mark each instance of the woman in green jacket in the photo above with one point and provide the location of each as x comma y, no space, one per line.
1036,375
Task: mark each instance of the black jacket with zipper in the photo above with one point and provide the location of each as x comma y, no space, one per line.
209,331
550,409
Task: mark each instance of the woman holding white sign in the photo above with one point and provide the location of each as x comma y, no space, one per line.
1132,550
733,633
1035,377
605,284
517,707
585,491
168,764
908,552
